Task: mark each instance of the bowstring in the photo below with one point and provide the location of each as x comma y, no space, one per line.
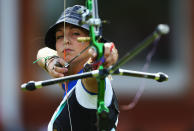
142,86
68,64
65,82
66,88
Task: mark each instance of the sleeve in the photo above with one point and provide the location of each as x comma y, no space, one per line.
89,100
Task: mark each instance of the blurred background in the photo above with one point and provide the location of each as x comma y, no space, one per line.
167,106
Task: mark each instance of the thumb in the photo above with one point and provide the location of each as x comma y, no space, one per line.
92,52
62,62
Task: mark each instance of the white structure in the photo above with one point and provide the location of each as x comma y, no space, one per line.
9,65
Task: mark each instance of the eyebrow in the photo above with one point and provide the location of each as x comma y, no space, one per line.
59,30
74,27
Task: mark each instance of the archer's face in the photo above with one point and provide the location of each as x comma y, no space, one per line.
71,46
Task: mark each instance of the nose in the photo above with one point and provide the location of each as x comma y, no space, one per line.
66,41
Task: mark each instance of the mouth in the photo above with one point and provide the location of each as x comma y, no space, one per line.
67,50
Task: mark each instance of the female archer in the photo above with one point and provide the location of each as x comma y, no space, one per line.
77,111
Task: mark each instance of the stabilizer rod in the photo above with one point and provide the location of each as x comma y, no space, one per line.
32,85
160,77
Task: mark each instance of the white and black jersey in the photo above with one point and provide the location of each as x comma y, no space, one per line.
82,110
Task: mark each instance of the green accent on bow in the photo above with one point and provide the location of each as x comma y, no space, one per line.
102,110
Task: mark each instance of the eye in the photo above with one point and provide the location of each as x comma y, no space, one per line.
76,33
59,37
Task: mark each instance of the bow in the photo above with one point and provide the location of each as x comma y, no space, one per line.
91,18
95,23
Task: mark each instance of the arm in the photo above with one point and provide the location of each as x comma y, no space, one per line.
110,55
44,53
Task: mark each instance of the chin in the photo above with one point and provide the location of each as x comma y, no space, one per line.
67,59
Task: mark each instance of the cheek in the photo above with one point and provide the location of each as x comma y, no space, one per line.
82,47
59,45
60,48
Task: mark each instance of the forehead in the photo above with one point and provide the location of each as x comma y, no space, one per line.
60,27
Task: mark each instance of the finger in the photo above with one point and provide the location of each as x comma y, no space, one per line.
92,52
61,69
62,62
115,55
107,49
109,61
56,74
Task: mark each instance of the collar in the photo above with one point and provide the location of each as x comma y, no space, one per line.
71,84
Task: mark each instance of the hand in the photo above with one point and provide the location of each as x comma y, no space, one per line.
56,67
110,54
